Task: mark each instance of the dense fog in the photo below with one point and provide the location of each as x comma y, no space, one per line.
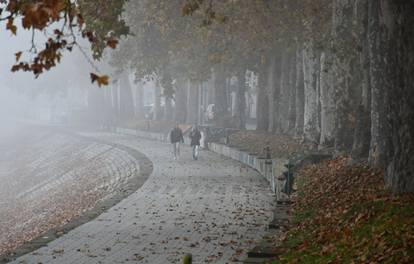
152,131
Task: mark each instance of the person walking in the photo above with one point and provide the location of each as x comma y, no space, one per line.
176,137
195,137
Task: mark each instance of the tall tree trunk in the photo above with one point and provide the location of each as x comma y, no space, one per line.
210,90
139,100
292,95
285,90
346,81
327,101
300,94
262,104
398,20
180,98
380,131
126,99
220,92
192,103
115,99
311,74
272,93
241,98
168,110
157,101
362,136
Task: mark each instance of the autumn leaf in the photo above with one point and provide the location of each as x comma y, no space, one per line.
10,26
112,43
18,55
100,80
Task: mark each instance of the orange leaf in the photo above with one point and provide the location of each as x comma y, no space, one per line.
112,43
18,55
10,26
100,80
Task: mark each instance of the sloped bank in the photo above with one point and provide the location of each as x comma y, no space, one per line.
122,188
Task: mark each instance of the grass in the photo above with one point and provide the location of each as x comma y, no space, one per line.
345,214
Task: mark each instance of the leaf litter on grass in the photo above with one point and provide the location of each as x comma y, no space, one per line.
345,214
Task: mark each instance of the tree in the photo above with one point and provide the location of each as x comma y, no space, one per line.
67,21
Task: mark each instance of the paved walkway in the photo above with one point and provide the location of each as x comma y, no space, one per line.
213,208
49,178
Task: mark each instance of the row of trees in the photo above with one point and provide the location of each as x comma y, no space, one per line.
335,72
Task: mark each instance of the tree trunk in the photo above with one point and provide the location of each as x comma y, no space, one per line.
284,92
379,149
398,20
192,103
311,75
115,100
273,93
362,136
168,110
346,79
327,101
300,94
126,106
139,101
292,95
157,102
220,92
262,105
283,95
180,98
241,98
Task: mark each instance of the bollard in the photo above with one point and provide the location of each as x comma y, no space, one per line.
187,259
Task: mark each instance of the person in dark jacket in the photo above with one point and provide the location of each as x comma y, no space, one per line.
176,137
195,137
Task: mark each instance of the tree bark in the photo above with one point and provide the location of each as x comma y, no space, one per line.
192,103
157,102
380,131
398,20
273,89
115,99
362,136
220,91
283,98
262,105
126,107
327,101
139,101
346,79
241,98
168,110
311,75
300,94
292,95
180,99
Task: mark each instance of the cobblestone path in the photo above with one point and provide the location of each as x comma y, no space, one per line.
213,208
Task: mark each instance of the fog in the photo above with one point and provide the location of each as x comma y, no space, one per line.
205,127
